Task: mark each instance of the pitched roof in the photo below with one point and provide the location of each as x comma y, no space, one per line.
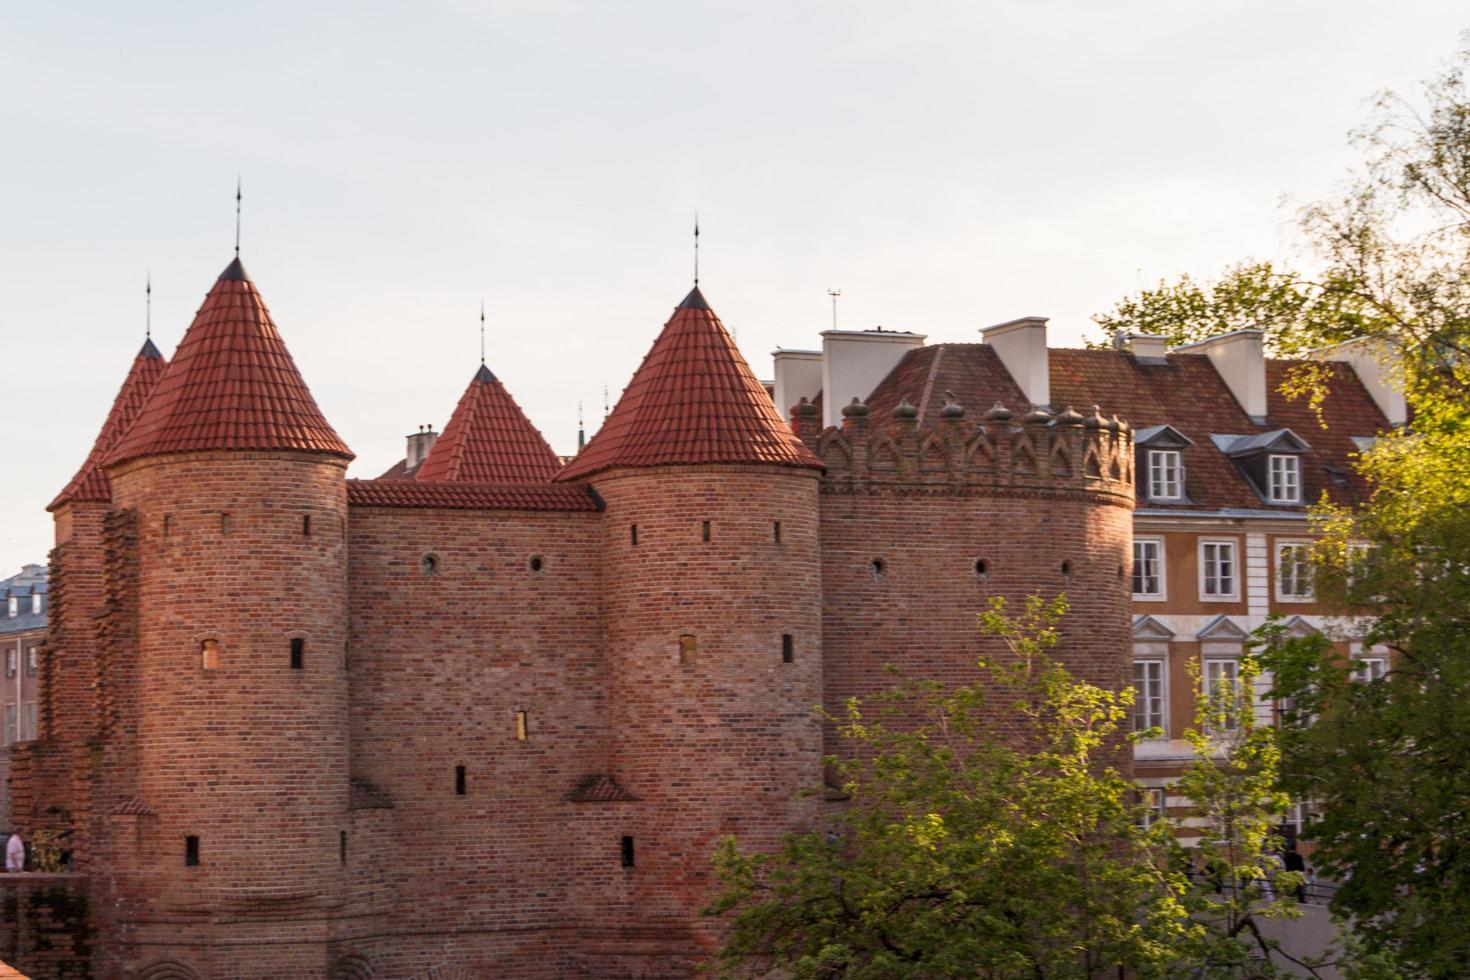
90,482
231,385
488,440
1184,391
468,496
692,400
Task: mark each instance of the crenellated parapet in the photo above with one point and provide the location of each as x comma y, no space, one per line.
1037,452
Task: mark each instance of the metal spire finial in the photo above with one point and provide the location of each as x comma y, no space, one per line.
606,411
696,248
834,293
238,198
581,429
148,308
482,332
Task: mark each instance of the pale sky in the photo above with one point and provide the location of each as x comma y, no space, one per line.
945,165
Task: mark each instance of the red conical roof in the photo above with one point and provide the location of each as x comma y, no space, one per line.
488,440
91,482
231,385
693,400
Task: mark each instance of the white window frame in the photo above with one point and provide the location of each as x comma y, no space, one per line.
29,721
1156,803
31,661
12,717
1375,667
1285,486
1141,696
15,605
1207,682
1279,571
1165,474
1234,594
1163,592
38,603
12,661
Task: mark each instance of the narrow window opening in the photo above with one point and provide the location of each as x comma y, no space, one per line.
168,524
1067,570
788,648
776,531
459,788
191,852
342,847
298,653
627,852
209,655
537,562
704,531
688,648
224,523
429,564
633,533
878,567
522,726
980,567
306,525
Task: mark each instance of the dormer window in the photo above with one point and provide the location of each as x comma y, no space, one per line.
1165,474
37,602
1285,479
15,605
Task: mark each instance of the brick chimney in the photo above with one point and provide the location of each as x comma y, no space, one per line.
1021,346
854,361
419,444
798,375
1240,359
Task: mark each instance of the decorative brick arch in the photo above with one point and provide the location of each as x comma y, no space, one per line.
353,966
167,970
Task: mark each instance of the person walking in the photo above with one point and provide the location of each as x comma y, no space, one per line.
15,852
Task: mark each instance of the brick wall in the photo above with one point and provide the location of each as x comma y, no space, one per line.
44,930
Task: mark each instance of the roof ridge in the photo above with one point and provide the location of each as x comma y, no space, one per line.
488,439
90,481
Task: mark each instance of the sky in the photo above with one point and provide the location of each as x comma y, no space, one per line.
946,166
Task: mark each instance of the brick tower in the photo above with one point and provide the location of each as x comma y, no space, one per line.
712,602
230,824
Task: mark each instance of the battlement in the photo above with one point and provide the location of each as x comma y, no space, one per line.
1040,451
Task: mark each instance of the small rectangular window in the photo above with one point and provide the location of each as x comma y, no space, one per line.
306,525
776,531
704,531
1165,475
15,605
11,661
688,647
1148,567
1286,480
298,653
38,602
1217,569
168,524
191,852
11,720
31,661
627,852
1294,571
224,523
522,726
342,847
30,721
209,654
788,648
1154,805
1148,694
633,533
459,783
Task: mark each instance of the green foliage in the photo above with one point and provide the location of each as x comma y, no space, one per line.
959,851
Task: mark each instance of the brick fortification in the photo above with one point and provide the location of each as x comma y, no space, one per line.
449,728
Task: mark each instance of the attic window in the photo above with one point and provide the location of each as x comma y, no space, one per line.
1165,474
1285,476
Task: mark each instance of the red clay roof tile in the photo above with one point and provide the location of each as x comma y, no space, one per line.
468,496
231,385
489,440
91,481
692,400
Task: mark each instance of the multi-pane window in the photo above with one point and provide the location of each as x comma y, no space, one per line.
1285,479
30,721
11,662
1165,474
1155,800
1222,689
1217,569
1294,571
38,602
31,661
1148,694
1372,669
1148,567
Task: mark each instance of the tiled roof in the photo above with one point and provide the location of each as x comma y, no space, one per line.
693,400
398,471
599,788
91,482
468,496
488,440
231,385
1185,392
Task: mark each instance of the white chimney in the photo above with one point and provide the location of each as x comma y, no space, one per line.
419,444
1146,348
1240,359
1021,346
1380,372
798,376
854,361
